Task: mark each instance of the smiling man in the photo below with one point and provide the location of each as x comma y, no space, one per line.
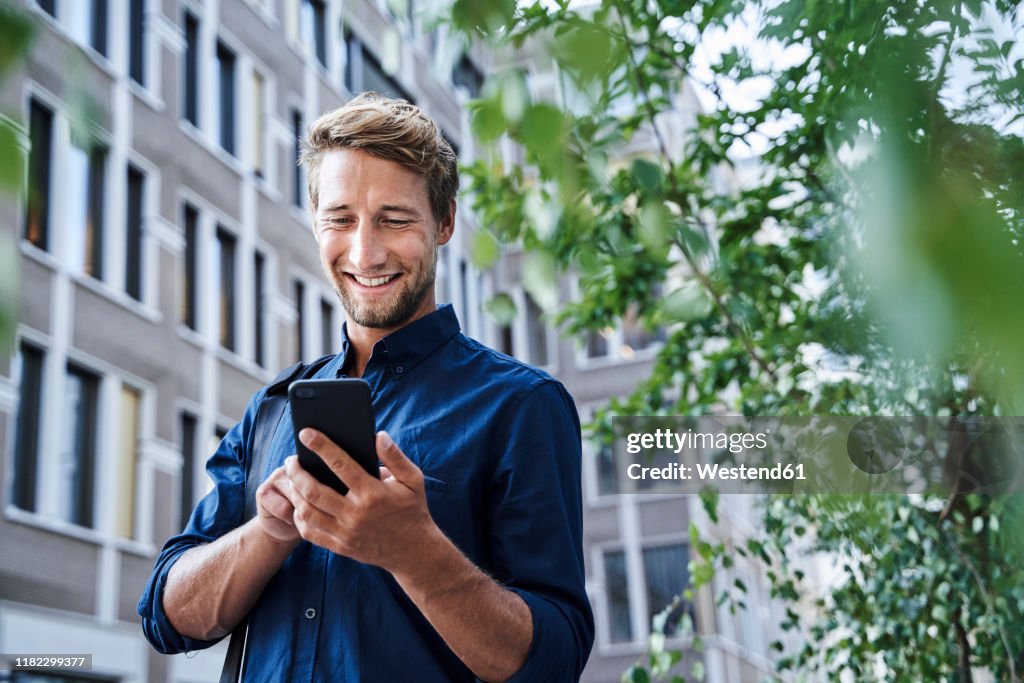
463,562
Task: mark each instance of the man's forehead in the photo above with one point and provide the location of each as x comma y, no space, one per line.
350,178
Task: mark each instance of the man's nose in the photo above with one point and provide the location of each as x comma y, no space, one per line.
366,252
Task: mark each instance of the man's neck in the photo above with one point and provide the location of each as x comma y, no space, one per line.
362,339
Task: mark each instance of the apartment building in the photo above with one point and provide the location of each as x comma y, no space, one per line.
168,271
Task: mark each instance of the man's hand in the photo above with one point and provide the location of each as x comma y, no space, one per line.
274,511
384,522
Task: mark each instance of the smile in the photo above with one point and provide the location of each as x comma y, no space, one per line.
374,281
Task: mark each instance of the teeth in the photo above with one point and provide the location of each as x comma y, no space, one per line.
374,281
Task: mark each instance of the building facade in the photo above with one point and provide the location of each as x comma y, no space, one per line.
168,271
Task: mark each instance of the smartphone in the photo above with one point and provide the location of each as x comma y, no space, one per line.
341,409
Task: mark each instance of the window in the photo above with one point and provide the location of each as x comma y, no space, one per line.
37,217
191,91
352,53
133,234
617,590
259,268
48,6
505,339
83,206
77,454
189,304
226,265
226,98
607,482
127,468
536,333
297,191
313,33
189,429
466,74
666,576
136,27
300,319
87,22
363,71
256,153
326,326
26,438
374,78
635,337
597,342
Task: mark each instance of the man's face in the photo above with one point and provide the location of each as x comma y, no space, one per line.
378,238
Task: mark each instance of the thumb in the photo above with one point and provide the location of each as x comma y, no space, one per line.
392,457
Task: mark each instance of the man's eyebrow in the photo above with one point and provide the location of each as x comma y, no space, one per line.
400,209
397,208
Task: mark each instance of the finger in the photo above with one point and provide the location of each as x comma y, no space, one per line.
399,466
385,473
341,463
274,504
302,487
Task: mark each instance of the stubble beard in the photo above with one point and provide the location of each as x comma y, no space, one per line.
394,312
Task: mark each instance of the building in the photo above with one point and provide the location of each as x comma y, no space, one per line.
165,276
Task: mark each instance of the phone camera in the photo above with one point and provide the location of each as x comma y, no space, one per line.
304,392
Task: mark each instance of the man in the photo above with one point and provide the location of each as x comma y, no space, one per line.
464,560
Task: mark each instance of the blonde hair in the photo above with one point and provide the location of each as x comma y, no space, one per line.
390,129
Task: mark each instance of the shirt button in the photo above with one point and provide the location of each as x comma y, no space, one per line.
310,613
399,369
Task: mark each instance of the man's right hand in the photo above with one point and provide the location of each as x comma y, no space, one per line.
274,510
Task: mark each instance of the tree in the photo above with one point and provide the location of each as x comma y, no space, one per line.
15,36
871,266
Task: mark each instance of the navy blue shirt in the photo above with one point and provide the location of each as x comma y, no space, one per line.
499,445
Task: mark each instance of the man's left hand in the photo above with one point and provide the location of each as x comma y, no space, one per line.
384,521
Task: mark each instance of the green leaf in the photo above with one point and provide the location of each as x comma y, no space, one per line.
648,176
501,308
16,34
485,251
540,280
12,158
688,302
636,674
486,17
654,226
588,50
10,261
487,119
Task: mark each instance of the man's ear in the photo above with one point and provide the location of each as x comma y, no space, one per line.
446,228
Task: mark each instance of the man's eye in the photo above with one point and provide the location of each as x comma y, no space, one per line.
396,221
336,222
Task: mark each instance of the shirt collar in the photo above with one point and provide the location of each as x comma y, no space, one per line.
403,349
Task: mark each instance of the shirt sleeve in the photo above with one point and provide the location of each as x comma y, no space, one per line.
220,511
536,523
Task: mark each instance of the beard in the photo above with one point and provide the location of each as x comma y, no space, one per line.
394,311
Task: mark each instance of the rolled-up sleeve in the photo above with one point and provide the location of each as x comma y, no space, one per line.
536,523
220,511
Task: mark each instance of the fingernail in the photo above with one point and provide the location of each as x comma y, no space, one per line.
386,440
307,436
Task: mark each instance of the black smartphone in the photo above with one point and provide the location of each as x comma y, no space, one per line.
341,409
